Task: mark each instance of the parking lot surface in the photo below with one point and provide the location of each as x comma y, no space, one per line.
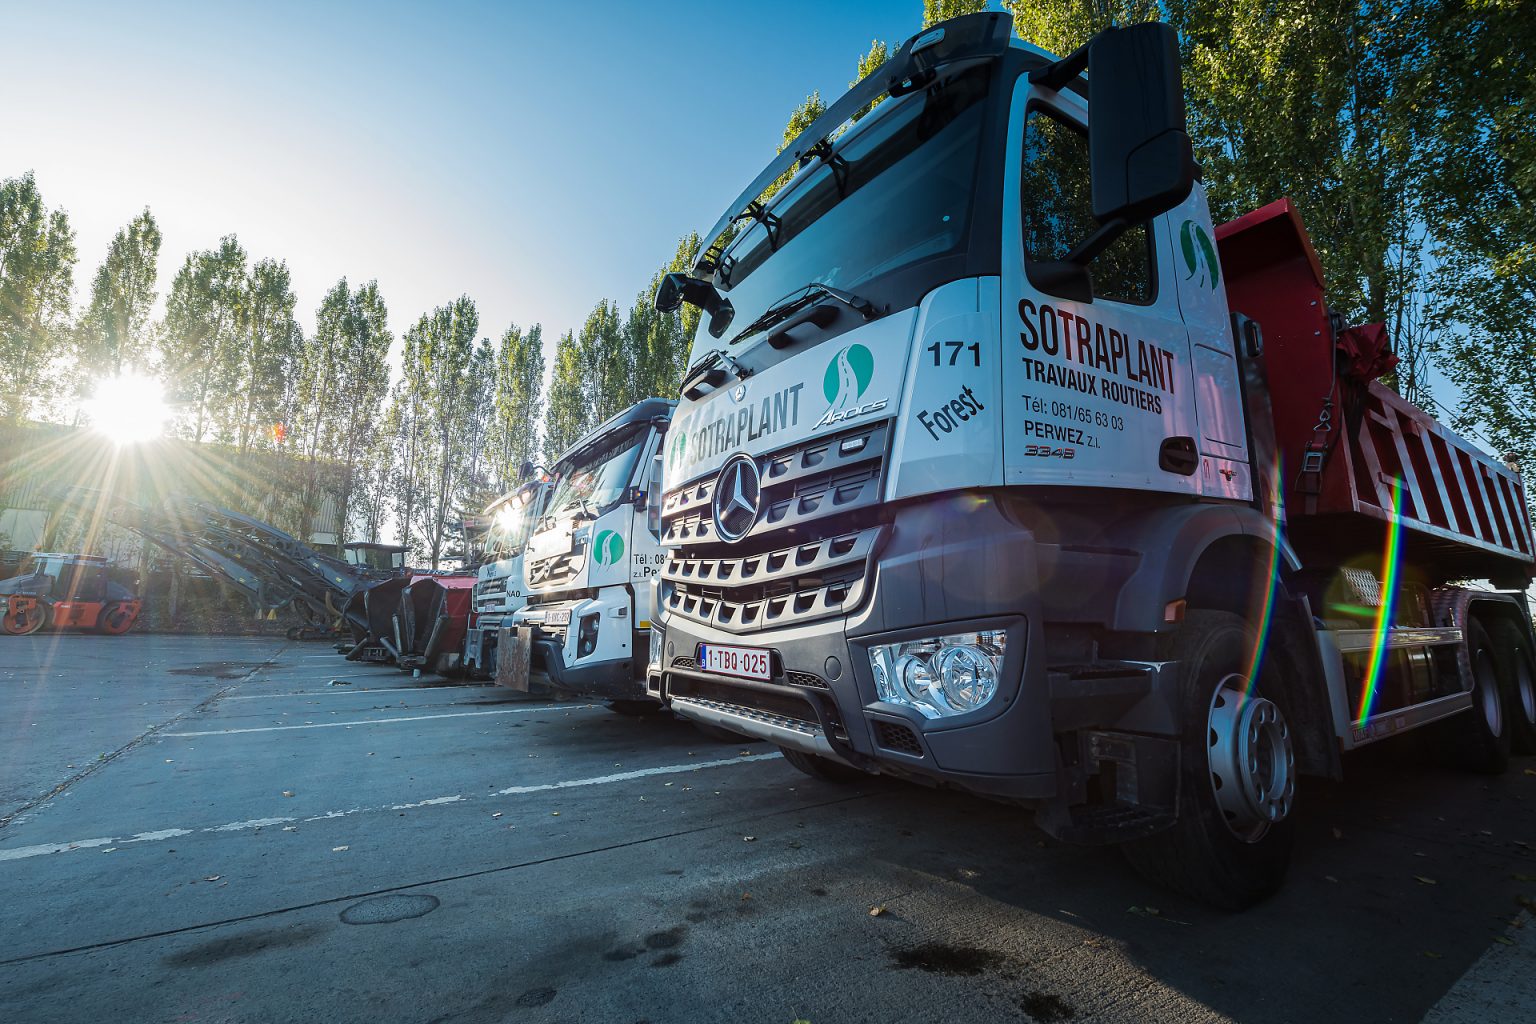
208,829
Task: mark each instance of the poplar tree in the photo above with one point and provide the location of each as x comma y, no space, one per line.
37,265
568,417
201,334
265,363
438,392
518,405
115,331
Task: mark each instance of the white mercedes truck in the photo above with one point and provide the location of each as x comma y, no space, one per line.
500,587
592,561
1000,467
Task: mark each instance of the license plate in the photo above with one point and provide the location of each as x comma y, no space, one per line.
744,662
558,617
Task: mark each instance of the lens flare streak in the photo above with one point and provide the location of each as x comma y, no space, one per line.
1391,560
1272,585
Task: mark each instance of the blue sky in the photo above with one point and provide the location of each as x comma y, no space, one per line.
538,157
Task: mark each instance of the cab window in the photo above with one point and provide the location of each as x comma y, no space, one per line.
1058,211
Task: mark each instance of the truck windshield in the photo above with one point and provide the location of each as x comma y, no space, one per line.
899,190
511,523
598,477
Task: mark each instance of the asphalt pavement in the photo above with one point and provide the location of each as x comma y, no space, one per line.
209,829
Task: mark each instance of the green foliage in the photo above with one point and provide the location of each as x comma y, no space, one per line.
1478,166
115,331
37,261
935,11
1061,26
868,65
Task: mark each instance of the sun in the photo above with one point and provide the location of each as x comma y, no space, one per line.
128,409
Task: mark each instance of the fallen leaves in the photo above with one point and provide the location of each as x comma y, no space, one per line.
877,910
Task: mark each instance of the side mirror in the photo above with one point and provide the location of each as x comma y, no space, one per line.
1141,160
653,495
524,471
676,289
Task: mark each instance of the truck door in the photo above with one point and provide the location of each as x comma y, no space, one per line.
1096,392
1190,240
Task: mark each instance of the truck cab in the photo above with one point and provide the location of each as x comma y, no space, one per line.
975,480
500,585
592,559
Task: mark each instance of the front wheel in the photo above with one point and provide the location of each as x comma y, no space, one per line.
24,615
822,767
1231,844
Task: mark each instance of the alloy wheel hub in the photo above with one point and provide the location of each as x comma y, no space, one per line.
1252,765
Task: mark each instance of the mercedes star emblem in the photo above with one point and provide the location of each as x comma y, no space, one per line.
738,492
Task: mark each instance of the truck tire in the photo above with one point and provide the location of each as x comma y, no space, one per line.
822,767
1478,740
1513,645
1231,844
720,734
634,708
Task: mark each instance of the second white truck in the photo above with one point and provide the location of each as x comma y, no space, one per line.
592,559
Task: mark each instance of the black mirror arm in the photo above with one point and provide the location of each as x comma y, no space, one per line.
1054,76
1103,236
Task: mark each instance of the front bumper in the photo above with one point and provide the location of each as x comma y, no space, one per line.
953,565
610,669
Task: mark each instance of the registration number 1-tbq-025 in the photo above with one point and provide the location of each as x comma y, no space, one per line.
746,662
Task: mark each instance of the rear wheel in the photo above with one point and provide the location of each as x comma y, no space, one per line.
822,767
117,618
1478,740
1513,645
24,616
1231,844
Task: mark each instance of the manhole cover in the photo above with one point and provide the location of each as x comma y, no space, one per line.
388,909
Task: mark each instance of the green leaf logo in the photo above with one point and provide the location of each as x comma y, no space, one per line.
679,447
848,374
608,548
1199,254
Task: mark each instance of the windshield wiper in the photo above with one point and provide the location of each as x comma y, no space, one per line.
798,300
711,369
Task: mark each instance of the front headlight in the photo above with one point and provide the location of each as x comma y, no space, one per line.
941,676
658,641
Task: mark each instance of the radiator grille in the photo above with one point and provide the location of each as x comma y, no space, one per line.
807,557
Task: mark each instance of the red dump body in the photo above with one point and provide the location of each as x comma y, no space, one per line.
1464,514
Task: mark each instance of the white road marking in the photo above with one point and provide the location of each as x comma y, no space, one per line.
26,852
671,769
352,691
379,721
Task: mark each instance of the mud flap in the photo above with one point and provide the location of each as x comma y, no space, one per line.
514,653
